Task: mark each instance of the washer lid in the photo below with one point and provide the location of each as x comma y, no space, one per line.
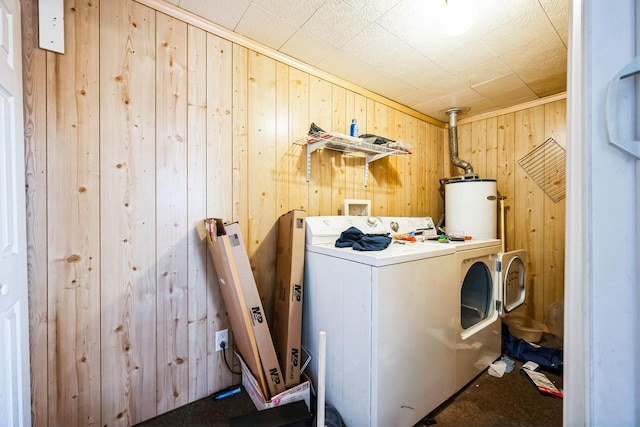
512,279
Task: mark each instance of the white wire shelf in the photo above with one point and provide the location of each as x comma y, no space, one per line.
349,145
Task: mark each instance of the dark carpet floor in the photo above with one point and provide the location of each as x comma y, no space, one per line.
510,401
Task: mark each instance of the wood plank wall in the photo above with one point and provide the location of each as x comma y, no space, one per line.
145,126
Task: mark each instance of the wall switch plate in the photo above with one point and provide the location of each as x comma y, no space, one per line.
222,336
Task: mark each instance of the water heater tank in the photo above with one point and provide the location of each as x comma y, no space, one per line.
471,208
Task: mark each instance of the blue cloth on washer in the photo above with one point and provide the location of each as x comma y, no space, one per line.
353,237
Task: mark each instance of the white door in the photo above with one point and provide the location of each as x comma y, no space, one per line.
15,405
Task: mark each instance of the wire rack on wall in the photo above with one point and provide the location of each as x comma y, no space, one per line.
547,166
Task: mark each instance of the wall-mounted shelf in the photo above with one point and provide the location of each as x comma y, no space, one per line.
361,147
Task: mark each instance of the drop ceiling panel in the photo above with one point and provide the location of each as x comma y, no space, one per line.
295,12
465,56
514,96
307,48
335,22
222,12
500,84
484,71
258,24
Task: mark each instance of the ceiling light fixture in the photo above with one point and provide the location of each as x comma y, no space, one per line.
458,16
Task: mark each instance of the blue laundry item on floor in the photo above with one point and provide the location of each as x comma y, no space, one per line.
522,350
353,237
510,364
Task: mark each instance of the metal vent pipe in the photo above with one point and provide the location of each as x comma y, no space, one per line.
453,142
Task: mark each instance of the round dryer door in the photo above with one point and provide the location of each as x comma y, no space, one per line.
513,280
476,295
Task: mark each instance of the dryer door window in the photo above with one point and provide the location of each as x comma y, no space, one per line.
476,295
513,286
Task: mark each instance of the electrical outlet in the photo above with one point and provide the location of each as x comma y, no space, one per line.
222,336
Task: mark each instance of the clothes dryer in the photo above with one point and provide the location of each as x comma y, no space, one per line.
490,285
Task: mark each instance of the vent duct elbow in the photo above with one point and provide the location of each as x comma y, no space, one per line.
453,143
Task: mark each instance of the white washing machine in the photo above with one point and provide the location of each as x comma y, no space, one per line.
490,285
389,316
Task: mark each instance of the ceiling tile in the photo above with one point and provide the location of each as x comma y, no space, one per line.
294,11
523,30
307,48
444,86
460,99
222,12
349,68
464,57
372,9
501,84
558,13
479,106
335,22
549,85
422,73
378,47
512,96
533,63
484,71
418,24
265,27
498,13
434,108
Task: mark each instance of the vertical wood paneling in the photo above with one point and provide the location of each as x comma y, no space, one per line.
35,134
262,204
491,153
424,161
379,170
73,182
478,155
240,107
465,148
506,174
320,94
197,291
555,127
529,207
226,155
172,389
413,177
219,128
396,166
298,128
127,213
338,124
283,165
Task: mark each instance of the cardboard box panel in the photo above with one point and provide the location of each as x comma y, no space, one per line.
229,282
239,261
287,321
295,394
